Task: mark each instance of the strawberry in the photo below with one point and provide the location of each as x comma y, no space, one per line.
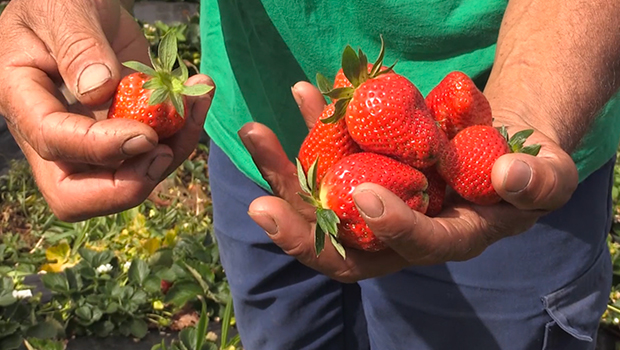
165,286
436,191
385,112
337,215
327,144
457,103
468,160
156,96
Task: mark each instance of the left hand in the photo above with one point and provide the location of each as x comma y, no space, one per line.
530,187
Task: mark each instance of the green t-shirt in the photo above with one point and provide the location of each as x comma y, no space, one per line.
256,50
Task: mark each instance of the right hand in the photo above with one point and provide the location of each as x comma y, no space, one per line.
85,165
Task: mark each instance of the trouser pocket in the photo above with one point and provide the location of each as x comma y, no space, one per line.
575,309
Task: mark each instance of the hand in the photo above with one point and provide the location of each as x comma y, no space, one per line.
530,186
59,68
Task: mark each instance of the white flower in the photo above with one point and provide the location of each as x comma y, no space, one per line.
126,266
104,268
22,294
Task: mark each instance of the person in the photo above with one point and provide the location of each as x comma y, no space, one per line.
532,272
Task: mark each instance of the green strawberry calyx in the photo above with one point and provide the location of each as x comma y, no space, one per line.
168,83
326,219
355,68
517,141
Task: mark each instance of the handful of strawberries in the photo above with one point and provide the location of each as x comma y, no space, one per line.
380,129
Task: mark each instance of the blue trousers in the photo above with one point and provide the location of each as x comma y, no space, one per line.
543,289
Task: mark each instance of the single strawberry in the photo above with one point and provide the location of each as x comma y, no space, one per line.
456,103
165,286
327,144
436,191
156,96
385,112
337,215
468,160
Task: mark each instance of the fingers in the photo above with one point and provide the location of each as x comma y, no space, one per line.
417,237
75,196
78,36
184,142
295,235
544,182
310,101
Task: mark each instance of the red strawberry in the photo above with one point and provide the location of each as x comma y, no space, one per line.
156,96
457,103
436,191
326,142
336,212
165,286
467,163
385,113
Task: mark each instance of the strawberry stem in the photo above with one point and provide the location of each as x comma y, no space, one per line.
168,85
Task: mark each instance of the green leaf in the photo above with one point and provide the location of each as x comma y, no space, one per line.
376,67
84,312
340,109
312,185
161,258
43,330
196,90
188,338
323,83
363,65
138,271
301,176
308,199
327,220
201,328
502,130
177,102
140,67
11,342
7,298
153,83
319,240
102,258
203,284
183,68
56,282
158,96
339,248
182,292
341,93
531,150
351,65
152,284
138,328
87,255
167,51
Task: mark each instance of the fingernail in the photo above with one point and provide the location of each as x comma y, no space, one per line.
158,166
265,221
137,145
369,203
247,142
296,96
93,77
517,177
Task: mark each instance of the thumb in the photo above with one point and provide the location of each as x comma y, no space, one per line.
81,46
